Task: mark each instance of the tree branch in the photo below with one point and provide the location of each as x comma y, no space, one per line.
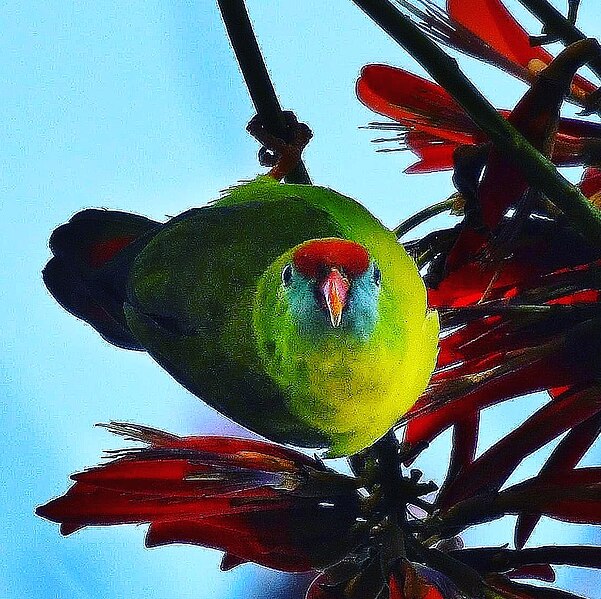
538,170
255,75
555,23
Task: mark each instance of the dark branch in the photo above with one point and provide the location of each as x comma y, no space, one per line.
255,75
423,215
553,21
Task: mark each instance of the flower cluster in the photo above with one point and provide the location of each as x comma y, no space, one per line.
256,501
517,289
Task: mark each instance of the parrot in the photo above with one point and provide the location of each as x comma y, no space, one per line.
289,308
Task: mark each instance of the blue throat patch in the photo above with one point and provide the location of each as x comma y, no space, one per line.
359,316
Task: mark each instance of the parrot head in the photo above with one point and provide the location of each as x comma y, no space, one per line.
331,287
342,340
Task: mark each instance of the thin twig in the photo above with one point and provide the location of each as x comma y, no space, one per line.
538,170
423,215
255,75
555,23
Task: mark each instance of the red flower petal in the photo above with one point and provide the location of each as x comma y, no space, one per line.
463,451
575,511
536,571
407,98
491,21
453,347
566,456
437,125
91,506
576,504
531,376
289,539
498,559
435,153
493,467
415,581
590,183
233,494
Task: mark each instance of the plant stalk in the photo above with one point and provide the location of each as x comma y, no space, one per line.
423,215
254,71
555,23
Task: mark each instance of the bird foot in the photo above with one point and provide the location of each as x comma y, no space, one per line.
281,153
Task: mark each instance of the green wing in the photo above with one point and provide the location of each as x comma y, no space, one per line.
190,303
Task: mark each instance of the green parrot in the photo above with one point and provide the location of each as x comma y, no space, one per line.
288,308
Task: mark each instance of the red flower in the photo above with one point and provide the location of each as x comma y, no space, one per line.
256,501
527,324
432,125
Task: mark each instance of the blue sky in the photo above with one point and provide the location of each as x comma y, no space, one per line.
140,106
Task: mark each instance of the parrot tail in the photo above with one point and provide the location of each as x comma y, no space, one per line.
88,274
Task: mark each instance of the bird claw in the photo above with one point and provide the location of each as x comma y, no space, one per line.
281,153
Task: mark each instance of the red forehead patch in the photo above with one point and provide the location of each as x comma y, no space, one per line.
318,255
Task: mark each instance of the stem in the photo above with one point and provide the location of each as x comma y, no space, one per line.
423,216
538,170
564,29
555,23
255,75
386,450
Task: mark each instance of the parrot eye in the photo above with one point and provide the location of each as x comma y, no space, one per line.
287,275
377,276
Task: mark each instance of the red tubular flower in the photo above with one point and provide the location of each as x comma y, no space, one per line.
533,334
590,185
564,459
573,410
492,22
432,125
256,501
577,498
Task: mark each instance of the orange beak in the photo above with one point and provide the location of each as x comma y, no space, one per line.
335,290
